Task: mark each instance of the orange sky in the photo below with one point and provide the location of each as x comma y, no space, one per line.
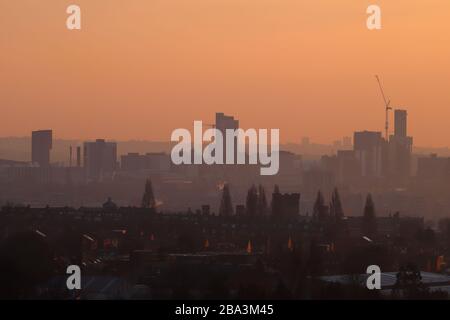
140,68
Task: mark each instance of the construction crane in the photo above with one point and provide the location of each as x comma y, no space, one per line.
387,106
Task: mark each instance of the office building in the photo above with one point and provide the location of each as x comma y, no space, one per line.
224,122
41,144
154,161
400,119
433,167
100,158
368,147
400,148
347,167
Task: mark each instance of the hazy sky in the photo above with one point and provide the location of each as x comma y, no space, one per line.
140,68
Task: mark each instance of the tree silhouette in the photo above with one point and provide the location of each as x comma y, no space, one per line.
276,189
148,199
226,207
319,209
252,201
369,218
275,204
262,201
336,210
315,260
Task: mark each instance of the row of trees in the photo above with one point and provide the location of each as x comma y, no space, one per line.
256,204
148,199
334,212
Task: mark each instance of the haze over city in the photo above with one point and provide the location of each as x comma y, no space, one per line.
249,151
140,69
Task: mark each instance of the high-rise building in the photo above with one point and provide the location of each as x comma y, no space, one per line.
433,167
368,147
400,123
100,158
41,144
155,161
347,166
400,148
224,122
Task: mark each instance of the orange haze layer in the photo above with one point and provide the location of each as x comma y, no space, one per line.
139,69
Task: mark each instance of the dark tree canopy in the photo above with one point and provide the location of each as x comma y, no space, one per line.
320,210
262,201
336,206
369,217
252,201
148,199
226,206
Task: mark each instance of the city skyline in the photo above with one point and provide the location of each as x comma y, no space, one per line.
157,69
336,142
226,157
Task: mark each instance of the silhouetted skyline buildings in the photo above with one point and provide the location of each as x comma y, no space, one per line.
400,148
371,165
326,213
224,122
100,157
41,144
381,158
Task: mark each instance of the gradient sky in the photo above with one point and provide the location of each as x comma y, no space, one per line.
140,68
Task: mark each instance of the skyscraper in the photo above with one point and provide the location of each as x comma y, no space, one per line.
368,147
41,144
400,148
100,158
224,122
400,123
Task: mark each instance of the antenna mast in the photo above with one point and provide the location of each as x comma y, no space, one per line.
387,106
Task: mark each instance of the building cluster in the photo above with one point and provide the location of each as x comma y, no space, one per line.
95,160
382,165
200,231
375,158
263,250
96,167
